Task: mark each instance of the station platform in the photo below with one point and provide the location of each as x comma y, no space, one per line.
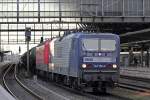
140,72
4,95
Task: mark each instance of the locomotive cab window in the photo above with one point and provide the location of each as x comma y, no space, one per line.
90,44
108,45
98,45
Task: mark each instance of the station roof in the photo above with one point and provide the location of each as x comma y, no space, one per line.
2,52
50,18
136,36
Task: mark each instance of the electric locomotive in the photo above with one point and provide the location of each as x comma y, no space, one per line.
99,59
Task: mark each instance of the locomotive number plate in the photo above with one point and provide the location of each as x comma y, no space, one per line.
97,59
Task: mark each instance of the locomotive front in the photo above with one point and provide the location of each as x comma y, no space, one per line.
99,60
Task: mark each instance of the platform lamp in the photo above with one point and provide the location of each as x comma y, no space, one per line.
28,38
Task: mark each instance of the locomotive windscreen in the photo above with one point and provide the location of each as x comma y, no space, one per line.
98,45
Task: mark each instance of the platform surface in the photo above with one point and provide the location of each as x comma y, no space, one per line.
141,72
4,95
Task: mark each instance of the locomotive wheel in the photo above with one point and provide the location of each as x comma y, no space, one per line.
65,80
95,89
75,84
55,78
103,87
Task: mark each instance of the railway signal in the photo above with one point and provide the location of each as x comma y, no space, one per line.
19,49
28,38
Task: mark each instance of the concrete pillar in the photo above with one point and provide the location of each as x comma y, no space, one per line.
130,56
147,57
142,58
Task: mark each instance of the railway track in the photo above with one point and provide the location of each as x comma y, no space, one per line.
135,78
133,83
134,87
13,84
97,95
15,87
88,95
91,95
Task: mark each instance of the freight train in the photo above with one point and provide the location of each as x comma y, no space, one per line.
79,60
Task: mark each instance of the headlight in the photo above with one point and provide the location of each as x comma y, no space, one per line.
83,65
114,66
52,64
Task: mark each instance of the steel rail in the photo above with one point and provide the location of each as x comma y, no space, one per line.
83,93
4,81
25,87
134,87
18,82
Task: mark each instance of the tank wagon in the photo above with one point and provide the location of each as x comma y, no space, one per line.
81,60
32,56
